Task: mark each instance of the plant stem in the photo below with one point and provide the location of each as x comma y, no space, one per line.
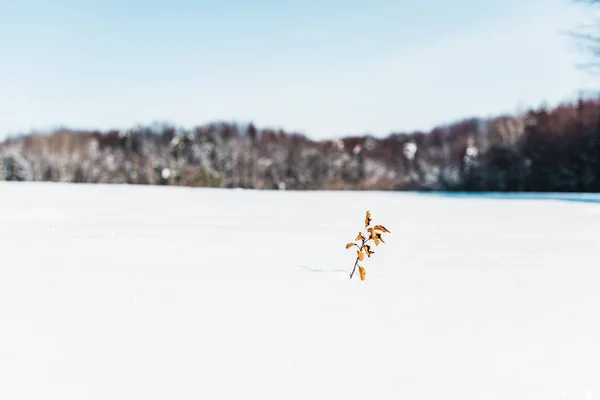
357,259
354,269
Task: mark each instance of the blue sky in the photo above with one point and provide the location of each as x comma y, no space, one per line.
326,69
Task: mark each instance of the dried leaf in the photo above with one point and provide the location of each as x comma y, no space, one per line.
381,228
380,237
349,245
360,236
368,219
374,236
361,255
376,240
363,273
369,251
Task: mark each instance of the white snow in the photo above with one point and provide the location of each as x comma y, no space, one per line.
131,292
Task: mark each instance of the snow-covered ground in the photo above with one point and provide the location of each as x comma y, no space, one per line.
123,292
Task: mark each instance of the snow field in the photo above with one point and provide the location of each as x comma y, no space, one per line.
131,292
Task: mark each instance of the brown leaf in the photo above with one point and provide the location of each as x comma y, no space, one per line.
368,219
376,240
374,236
361,255
360,236
381,228
380,237
349,245
363,273
369,251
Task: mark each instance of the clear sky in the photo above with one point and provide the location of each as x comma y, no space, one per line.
325,68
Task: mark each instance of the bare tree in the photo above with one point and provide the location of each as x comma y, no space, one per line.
588,36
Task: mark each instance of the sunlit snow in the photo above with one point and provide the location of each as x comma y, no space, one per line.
137,292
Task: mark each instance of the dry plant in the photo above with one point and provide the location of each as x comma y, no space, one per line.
362,244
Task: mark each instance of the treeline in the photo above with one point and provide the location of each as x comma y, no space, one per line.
541,150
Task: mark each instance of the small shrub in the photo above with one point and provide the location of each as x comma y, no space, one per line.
362,244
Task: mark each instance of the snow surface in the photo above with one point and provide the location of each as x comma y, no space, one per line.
125,292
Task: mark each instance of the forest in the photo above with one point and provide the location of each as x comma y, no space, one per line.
543,150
